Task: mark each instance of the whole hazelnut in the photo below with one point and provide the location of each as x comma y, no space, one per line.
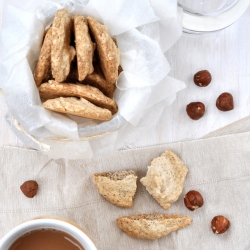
225,102
195,110
29,188
202,78
220,224
193,200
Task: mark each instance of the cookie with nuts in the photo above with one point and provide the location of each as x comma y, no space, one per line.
78,107
53,89
108,51
152,226
118,188
62,53
84,47
165,178
44,60
98,80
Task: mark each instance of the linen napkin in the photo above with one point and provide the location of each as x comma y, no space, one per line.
218,169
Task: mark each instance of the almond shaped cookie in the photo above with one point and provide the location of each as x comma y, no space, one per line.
79,107
84,47
108,51
98,80
53,89
165,178
44,60
152,226
118,187
61,52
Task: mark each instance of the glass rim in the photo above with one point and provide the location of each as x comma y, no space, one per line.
214,13
200,24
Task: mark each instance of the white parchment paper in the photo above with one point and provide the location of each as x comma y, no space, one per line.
144,30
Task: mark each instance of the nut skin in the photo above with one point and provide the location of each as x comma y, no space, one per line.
225,102
195,110
29,188
193,200
220,224
202,78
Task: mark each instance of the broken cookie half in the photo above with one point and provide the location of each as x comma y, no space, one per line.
118,188
152,226
165,178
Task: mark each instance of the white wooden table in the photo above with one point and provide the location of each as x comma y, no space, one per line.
226,54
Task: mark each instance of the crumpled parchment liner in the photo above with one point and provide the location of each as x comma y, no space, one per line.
144,30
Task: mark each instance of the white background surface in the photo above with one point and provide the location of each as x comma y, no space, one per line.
225,54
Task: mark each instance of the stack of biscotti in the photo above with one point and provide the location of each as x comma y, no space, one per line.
78,67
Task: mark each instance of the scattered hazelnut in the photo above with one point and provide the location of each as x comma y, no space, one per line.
195,110
29,188
225,102
202,78
220,224
193,200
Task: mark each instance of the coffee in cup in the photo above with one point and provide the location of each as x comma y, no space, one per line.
47,233
46,238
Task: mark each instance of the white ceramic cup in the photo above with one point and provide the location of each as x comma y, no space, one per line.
59,224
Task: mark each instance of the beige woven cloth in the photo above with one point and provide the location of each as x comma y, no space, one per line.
219,168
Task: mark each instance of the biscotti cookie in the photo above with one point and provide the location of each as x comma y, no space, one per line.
44,60
165,178
53,89
61,52
118,188
152,226
79,107
108,52
98,80
84,47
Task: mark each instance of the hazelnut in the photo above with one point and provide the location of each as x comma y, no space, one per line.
225,102
220,224
29,188
195,110
202,78
193,200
